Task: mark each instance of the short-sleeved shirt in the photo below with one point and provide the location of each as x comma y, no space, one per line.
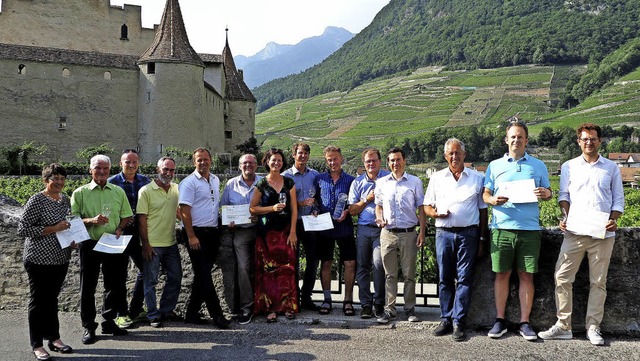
131,189
304,182
39,212
521,216
87,201
327,194
596,186
463,198
160,207
399,200
238,192
360,188
203,197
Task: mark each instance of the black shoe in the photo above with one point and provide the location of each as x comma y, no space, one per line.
63,349
366,312
156,323
221,322
110,328
378,310
89,336
195,320
444,328
308,305
459,333
245,318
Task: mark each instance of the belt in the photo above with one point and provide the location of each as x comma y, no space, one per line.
205,229
456,229
402,230
369,225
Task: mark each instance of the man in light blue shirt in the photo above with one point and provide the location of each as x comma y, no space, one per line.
399,196
369,259
515,227
242,237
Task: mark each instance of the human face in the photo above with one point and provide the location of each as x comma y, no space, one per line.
517,141
129,164
334,161
372,163
455,156
166,171
275,163
54,184
396,163
202,162
100,172
248,167
301,157
589,143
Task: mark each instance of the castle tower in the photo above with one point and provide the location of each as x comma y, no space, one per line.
241,104
172,94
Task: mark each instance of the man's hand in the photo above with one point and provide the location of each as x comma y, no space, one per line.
420,239
344,215
381,222
612,225
147,252
498,200
194,243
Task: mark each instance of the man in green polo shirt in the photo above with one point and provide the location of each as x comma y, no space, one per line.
104,208
157,211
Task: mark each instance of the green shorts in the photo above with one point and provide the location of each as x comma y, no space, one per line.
511,248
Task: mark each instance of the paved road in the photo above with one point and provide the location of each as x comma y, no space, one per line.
309,337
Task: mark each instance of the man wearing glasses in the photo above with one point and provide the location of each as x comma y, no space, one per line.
588,183
515,226
131,182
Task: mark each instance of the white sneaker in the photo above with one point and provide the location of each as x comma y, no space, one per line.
556,333
594,335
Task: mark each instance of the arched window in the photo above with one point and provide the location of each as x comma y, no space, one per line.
124,32
107,75
66,72
22,69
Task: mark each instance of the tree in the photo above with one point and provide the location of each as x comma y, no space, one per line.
89,152
546,137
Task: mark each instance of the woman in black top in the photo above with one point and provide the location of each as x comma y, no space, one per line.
45,261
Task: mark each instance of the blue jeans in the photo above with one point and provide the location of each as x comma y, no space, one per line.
369,259
169,258
456,250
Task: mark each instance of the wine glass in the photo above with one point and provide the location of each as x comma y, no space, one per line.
106,209
312,194
282,199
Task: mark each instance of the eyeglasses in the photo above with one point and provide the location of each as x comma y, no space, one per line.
587,140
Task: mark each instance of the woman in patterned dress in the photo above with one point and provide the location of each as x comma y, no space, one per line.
275,282
45,261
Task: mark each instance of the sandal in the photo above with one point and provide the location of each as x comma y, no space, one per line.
325,308
347,308
272,317
290,315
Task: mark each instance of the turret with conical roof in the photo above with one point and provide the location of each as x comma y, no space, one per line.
236,87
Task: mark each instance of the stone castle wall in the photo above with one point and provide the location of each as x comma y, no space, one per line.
244,125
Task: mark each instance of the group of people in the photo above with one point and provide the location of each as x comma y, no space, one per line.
391,207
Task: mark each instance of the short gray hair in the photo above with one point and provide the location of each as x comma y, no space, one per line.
451,141
248,155
161,160
99,158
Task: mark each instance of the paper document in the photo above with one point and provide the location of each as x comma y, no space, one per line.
519,191
587,222
108,243
239,214
76,233
320,223
442,206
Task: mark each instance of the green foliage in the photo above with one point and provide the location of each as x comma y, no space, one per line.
89,152
17,157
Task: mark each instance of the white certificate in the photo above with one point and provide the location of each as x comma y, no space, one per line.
519,191
587,222
442,206
76,233
239,214
108,243
320,223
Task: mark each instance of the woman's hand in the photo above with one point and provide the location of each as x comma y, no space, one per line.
292,240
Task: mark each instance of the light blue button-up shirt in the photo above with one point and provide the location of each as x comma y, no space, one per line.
400,200
360,188
304,182
236,192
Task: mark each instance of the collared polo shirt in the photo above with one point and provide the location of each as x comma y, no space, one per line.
596,186
87,201
160,206
131,189
521,216
360,188
304,182
463,198
203,197
238,192
327,192
399,199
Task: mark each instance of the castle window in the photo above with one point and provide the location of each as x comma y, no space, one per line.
228,134
151,68
124,32
66,72
107,75
22,69
62,123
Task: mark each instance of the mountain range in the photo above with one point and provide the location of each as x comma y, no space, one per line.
278,60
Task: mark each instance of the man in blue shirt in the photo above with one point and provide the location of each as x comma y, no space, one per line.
515,227
131,182
361,197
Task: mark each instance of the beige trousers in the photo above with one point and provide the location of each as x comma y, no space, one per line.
402,246
573,250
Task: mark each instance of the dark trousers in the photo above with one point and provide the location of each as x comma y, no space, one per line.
45,282
202,289
309,241
114,274
134,251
